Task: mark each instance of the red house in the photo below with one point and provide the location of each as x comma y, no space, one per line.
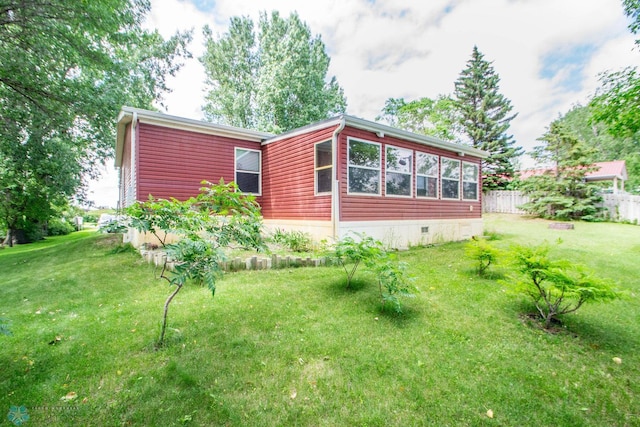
328,178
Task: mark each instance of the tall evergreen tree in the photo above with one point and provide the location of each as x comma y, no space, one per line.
273,81
484,118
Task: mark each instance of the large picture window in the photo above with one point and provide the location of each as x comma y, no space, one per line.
450,178
399,168
426,175
364,167
248,168
469,181
323,167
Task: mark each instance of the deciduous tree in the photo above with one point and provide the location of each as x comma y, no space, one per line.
275,80
434,117
67,67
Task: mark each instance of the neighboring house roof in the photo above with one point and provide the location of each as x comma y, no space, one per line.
605,171
167,120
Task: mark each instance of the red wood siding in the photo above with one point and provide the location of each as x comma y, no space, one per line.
375,208
288,179
173,162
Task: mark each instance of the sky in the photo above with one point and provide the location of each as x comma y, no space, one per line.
548,53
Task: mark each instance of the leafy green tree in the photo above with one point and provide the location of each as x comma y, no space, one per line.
617,105
607,146
556,287
275,80
562,192
66,69
484,116
426,116
204,226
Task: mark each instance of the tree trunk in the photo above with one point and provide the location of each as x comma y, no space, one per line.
8,241
164,317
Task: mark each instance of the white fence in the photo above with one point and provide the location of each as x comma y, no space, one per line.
501,201
621,207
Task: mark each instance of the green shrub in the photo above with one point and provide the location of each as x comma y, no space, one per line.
483,253
556,287
392,279
295,241
58,227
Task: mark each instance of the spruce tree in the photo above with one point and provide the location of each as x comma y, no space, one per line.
484,118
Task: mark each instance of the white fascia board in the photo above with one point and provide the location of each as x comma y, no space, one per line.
414,137
334,121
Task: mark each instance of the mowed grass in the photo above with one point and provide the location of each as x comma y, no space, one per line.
295,347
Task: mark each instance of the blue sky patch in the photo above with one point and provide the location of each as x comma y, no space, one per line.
204,5
570,61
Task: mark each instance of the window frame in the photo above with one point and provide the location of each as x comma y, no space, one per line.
476,182
436,176
317,168
378,169
387,170
442,178
259,173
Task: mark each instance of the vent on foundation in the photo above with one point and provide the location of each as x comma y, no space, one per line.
424,230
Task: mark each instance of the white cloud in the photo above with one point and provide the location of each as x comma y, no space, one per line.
404,48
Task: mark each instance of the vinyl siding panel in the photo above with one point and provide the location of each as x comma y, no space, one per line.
174,162
288,185
127,192
376,208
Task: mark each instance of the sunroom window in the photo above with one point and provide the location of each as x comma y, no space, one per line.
469,181
399,167
426,175
450,178
364,167
323,167
248,168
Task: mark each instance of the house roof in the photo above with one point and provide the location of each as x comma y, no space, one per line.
605,171
175,122
382,130
161,119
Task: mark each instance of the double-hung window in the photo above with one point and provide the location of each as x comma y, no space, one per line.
323,167
426,175
399,168
364,167
469,181
248,169
450,178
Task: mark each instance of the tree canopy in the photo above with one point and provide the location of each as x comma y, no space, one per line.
67,68
484,116
273,80
434,117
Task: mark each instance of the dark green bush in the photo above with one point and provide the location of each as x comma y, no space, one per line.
58,227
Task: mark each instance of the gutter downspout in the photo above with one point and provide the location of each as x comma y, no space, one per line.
335,190
134,160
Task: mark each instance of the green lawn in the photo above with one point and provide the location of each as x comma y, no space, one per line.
294,347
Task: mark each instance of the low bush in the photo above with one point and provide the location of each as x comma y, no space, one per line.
556,287
59,227
296,241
